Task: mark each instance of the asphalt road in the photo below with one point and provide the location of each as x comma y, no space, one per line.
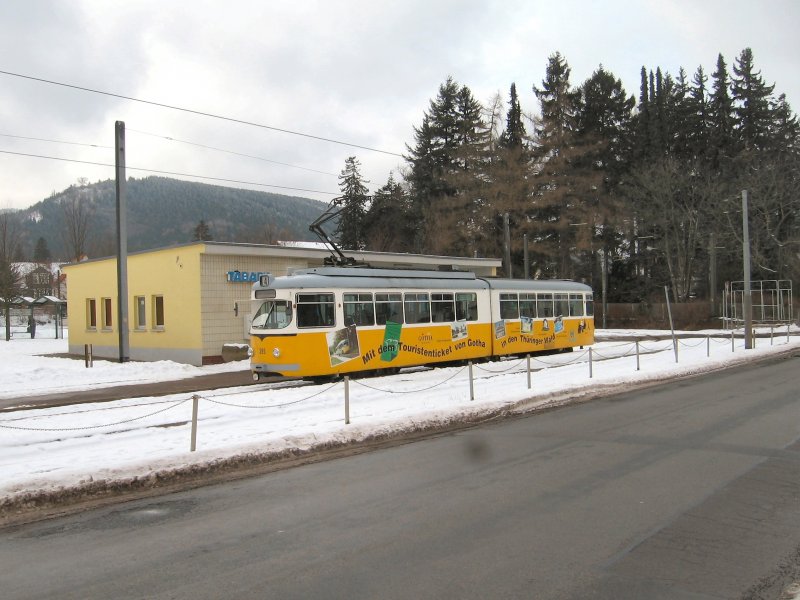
688,490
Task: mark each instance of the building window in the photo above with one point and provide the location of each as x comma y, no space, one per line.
158,312
91,313
105,309
141,316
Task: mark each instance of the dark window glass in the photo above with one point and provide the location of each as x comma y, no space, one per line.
358,309
315,310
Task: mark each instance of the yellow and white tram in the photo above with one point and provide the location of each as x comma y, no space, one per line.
329,321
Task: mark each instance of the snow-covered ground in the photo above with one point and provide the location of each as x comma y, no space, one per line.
43,451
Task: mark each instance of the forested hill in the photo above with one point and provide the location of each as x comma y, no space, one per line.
161,212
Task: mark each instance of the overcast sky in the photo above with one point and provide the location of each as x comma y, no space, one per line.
355,71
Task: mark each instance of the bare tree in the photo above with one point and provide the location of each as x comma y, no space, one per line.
10,277
676,201
78,208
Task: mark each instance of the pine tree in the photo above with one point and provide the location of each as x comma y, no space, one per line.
446,143
721,141
514,134
202,232
642,146
41,254
753,100
353,201
697,116
604,133
388,223
555,152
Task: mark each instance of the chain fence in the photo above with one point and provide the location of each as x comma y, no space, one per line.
589,356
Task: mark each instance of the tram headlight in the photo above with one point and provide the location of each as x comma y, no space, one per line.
276,353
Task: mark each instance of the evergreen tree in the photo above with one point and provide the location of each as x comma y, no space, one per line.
642,146
605,121
721,140
41,254
697,116
555,151
753,103
514,134
353,201
446,143
202,232
388,223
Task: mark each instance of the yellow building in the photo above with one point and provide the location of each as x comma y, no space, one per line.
186,302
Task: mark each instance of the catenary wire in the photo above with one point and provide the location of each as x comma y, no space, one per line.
198,112
207,177
171,139
37,139
198,145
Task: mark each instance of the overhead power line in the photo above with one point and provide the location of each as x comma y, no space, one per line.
198,112
174,173
36,139
171,139
275,162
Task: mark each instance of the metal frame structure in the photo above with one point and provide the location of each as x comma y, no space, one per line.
772,302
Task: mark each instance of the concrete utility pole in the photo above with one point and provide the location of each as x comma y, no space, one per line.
507,245
122,244
526,258
747,301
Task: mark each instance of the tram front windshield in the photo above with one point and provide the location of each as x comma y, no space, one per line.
273,314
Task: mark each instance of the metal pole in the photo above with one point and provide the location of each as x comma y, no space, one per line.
747,304
122,245
637,355
195,408
528,364
732,347
471,387
771,334
590,362
708,346
671,325
526,258
347,400
507,245
604,282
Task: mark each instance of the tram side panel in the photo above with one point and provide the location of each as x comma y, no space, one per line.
343,344
527,322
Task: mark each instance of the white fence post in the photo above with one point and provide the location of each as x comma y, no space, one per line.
590,362
471,387
195,409
347,400
528,362
637,355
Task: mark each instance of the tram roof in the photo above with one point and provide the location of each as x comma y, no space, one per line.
364,277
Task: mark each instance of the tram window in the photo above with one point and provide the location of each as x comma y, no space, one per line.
358,309
467,307
589,305
388,307
315,310
544,306
527,305
562,305
509,306
273,315
576,305
417,307
443,308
